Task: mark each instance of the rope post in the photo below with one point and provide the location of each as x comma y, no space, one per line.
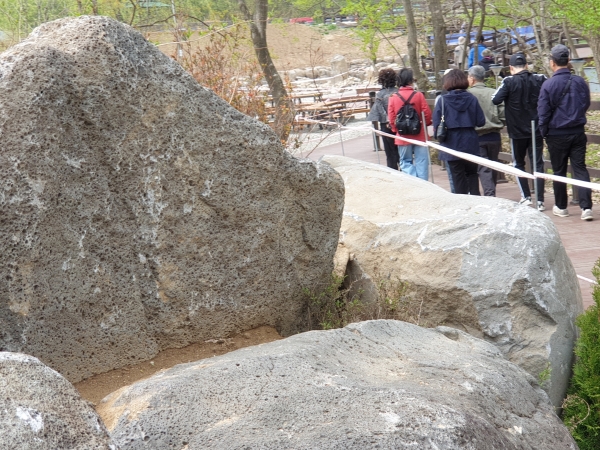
534,151
427,144
375,141
341,138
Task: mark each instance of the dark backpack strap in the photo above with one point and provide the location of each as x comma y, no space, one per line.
409,98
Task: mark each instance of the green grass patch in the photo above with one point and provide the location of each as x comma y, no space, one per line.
581,408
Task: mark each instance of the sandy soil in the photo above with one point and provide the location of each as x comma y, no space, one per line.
298,46
99,386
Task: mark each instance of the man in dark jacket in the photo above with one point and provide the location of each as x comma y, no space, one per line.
564,100
520,92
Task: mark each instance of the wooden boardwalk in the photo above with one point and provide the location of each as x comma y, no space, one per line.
581,239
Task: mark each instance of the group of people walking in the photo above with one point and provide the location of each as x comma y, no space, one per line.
470,117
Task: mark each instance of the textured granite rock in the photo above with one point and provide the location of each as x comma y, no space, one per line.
485,265
377,384
138,211
339,65
40,410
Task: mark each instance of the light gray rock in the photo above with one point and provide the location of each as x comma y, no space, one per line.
339,65
139,211
388,59
323,72
485,265
40,410
356,73
300,73
377,384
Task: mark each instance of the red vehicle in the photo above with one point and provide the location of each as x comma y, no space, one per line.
301,20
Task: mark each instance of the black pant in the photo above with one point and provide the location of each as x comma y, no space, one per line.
487,176
464,177
522,148
561,148
391,149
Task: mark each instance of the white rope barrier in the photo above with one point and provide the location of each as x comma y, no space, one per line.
584,184
586,279
476,159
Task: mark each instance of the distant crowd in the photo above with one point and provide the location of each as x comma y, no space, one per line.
468,117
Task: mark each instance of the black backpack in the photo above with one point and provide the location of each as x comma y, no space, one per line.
407,119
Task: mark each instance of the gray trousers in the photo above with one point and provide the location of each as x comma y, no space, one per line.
489,177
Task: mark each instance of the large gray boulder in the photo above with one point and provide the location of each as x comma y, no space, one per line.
485,265
40,410
139,211
377,384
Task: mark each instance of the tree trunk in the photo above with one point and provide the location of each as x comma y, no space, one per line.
440,49
570,42
415,62
471,18
479,32
594,41
284,113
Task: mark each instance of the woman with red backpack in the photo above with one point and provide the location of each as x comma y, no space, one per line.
408,105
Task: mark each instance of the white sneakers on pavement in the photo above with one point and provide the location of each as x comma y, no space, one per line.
526,201
586,214
560,212
541,206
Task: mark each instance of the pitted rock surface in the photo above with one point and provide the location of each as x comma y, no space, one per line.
138,211
40,410
377,384
485,265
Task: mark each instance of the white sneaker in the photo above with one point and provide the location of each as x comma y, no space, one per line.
541,206
586,214
525,201
560,212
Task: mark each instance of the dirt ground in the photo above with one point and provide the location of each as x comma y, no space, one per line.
99,386
299,46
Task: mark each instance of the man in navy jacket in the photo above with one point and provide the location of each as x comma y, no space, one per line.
564,100
520,92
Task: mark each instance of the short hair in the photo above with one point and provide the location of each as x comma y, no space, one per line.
477,72
560,62
455,79
405,77
480,39
387,78
487,52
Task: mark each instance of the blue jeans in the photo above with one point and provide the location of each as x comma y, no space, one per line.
420,167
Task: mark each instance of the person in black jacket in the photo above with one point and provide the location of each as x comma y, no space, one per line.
462,114
564,100
520,92
379,112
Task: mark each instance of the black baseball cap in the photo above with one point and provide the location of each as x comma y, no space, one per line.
559,52
518,59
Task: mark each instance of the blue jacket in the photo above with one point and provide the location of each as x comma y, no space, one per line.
462,114
480,48
569,115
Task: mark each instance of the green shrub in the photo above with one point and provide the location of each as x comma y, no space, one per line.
581,411
335,307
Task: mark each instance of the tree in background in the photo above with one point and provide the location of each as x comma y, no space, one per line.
284,113
585,16
415,61
440,49
374,20
225,66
